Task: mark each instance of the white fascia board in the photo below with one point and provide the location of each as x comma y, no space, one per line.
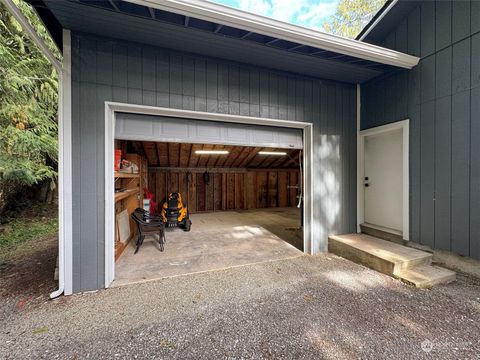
228,16
372,26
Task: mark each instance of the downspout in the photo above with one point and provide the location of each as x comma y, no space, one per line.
17,14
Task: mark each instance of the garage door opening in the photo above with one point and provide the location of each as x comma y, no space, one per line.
243,201
258,154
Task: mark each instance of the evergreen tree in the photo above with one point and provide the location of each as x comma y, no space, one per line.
28,106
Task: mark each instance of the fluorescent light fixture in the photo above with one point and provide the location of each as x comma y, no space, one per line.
211,152
274,153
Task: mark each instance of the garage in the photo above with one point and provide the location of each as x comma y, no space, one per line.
242,186
199,63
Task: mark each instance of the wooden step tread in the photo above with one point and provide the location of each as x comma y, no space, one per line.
410,265
385,250
426,276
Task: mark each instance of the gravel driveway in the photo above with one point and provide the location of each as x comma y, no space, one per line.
307,307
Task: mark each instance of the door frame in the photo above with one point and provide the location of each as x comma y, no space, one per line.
403,125
111,108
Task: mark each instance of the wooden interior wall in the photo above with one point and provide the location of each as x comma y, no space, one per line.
228,191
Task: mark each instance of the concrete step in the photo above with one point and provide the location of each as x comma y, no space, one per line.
410,265
426,276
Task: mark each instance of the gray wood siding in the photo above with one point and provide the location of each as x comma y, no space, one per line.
441,98
105,69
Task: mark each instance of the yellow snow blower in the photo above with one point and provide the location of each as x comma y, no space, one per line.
175,213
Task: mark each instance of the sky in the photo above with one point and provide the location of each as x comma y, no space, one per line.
307,13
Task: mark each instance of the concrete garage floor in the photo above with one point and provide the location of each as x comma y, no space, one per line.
217,241
308,307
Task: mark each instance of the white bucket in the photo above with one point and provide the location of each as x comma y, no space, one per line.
146,205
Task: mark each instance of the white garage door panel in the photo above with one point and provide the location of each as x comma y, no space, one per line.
286,137
265,135
205,131
169,129
156,128
138,128
236,133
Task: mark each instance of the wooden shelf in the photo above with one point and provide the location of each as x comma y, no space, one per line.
125,194
120,247
131,196
126,175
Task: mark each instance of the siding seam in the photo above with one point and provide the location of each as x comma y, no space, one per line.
470,146
451,128
434,200
421,62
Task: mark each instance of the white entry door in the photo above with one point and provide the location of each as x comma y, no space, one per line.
383,179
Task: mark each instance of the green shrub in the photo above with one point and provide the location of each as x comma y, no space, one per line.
19,231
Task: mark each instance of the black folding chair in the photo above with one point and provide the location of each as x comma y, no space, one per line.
148,224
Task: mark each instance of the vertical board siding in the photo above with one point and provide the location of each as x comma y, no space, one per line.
414,114
442,100
443,170
427,173
460,19
110,70
427,28
76,174
443,24
461,173
475,64
443,76
475,172
413,25
475,17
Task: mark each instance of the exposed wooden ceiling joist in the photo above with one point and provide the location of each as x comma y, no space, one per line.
151,152
194,157
213,160
162,150
184,154
172,155
138,148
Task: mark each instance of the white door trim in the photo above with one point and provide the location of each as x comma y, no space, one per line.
113,107
360,195
66,162
403,125
65,260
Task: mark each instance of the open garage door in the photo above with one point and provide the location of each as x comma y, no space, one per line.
240,185
167,129
241,179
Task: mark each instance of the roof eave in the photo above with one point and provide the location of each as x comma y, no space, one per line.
225,15
376,19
